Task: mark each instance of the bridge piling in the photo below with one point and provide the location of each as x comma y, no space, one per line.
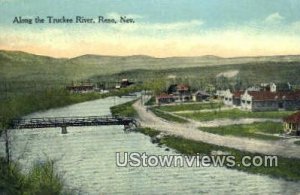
64,130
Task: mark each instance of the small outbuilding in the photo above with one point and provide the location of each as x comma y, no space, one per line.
200,96
292,124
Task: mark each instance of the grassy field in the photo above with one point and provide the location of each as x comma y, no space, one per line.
125,110
167,116
248,130
288,168
184,107
235,114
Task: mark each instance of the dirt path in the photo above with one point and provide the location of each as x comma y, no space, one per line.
225,122
281,147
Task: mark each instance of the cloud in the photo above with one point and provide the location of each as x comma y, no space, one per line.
159,28
274,18
116,15
181,38
140,26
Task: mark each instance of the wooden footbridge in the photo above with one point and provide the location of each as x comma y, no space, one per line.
64,122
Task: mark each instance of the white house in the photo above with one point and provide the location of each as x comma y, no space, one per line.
232,98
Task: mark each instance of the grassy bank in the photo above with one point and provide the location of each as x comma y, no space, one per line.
22,105
297,142
196,106
125,110
167,116
235,114
41,179
288,168
248,130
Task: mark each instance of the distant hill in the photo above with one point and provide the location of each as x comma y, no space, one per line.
16,65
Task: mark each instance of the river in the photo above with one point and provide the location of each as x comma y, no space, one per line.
86,158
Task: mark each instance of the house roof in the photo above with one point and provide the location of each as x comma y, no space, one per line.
199,92
294,118
267,95
182,87
164,96
237,94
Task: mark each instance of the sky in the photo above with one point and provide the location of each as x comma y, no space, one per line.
162,28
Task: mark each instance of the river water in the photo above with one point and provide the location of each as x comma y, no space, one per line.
86,158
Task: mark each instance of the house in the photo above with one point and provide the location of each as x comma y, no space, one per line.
164,98
276,87
268,101
181,92
220,93
200,96
254,88
125,83
81,88
292,124
232,98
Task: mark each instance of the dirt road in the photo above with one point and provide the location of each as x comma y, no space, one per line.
281,147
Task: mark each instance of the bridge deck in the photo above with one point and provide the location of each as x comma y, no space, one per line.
71,121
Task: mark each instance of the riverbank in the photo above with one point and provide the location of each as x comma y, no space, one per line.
288,168
42,179
22,105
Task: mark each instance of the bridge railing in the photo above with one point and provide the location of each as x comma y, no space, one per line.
70,121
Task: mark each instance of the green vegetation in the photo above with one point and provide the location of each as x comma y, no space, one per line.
41,179
125,110
201,77
288,168
235,114
19,106
148,131
297,142
167,116
29,67
151,101
30,83
196,106
248,130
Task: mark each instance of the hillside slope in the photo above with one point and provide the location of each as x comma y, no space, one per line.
15,65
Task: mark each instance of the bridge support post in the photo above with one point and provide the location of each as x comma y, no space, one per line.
7,152
64,130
